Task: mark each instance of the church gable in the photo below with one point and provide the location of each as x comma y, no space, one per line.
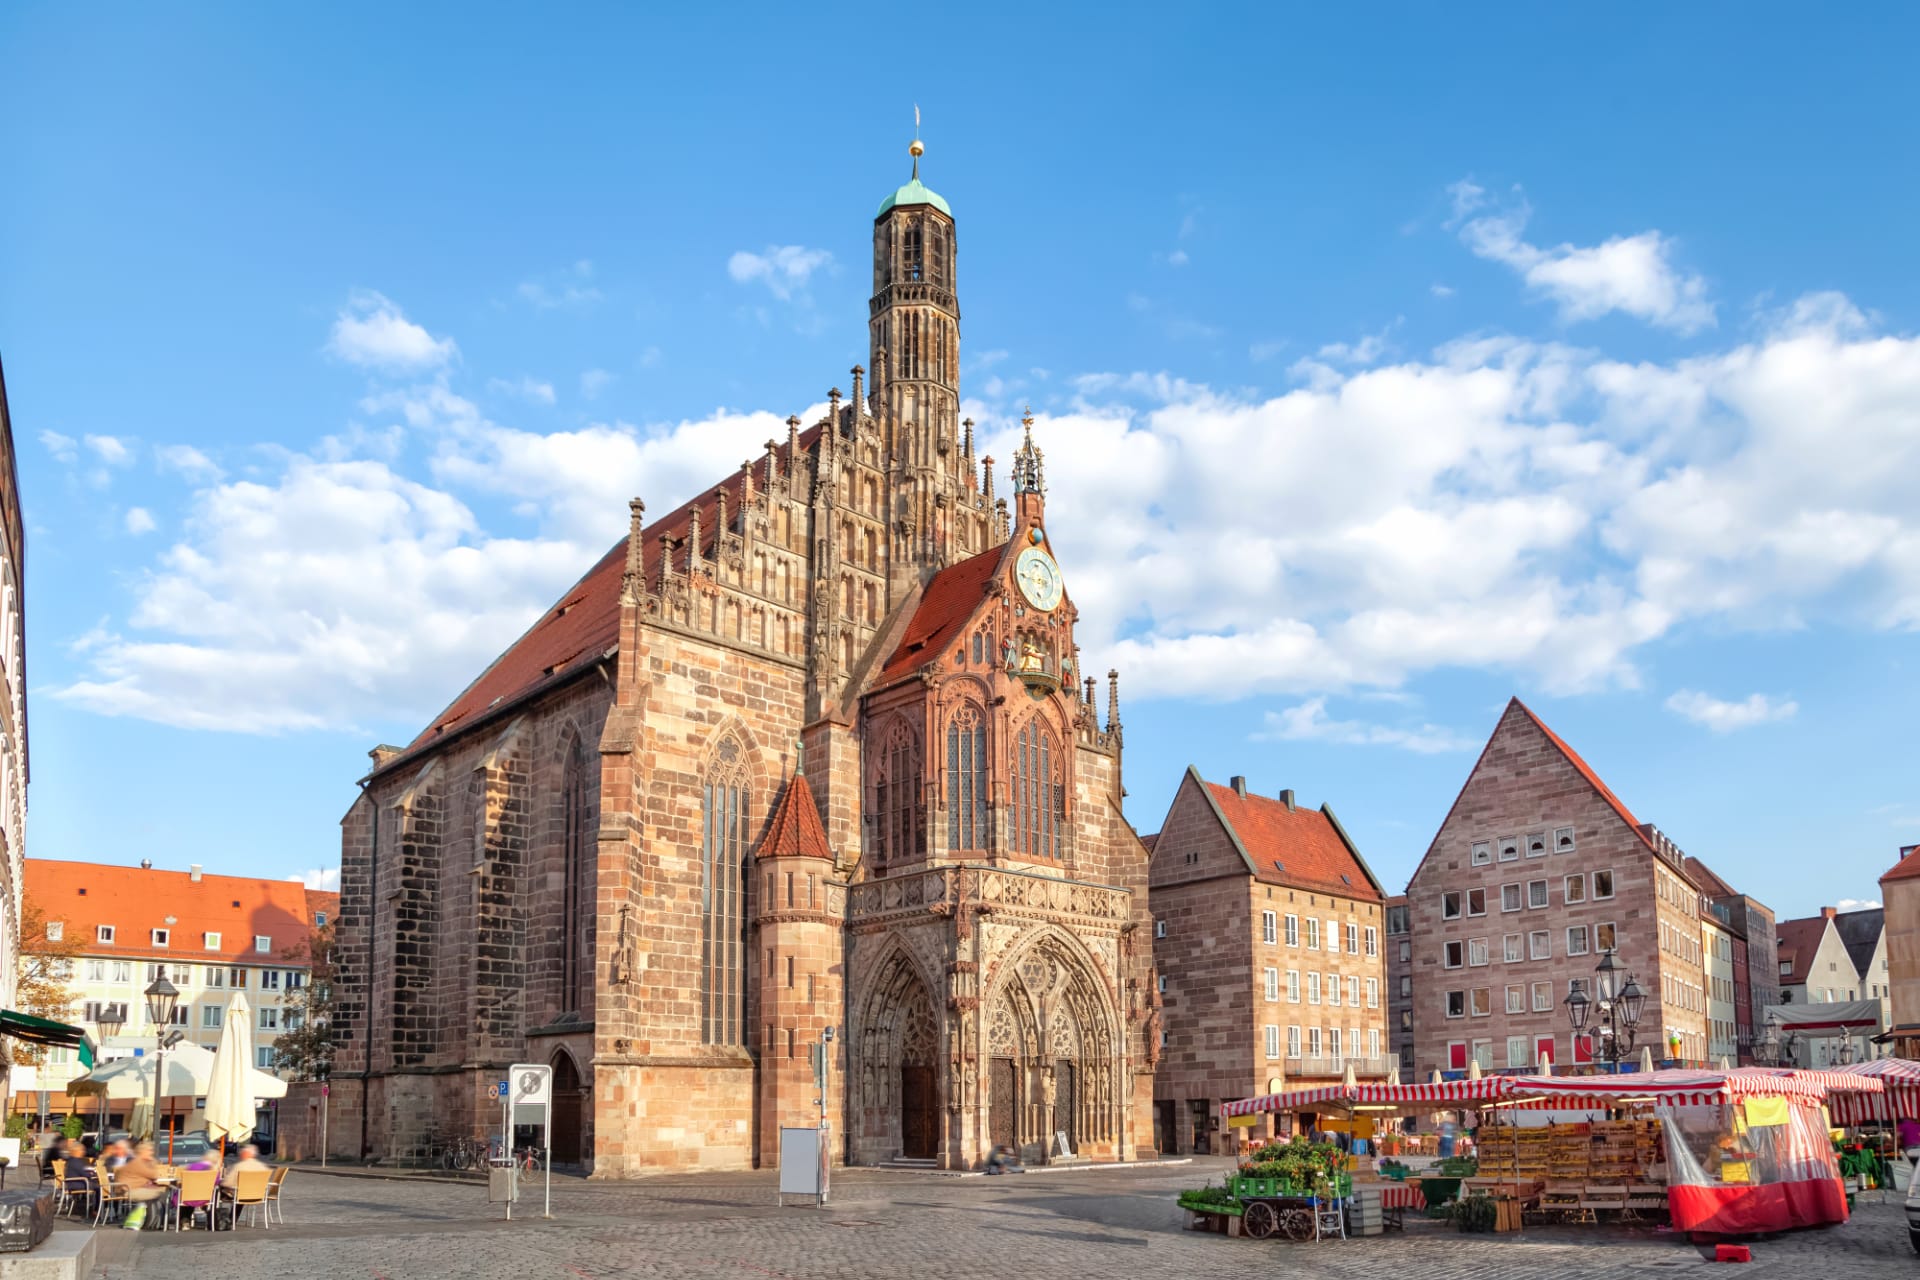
1195,842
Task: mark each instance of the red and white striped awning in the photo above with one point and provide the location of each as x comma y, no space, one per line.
1899,1078
1680,1088
1441,1094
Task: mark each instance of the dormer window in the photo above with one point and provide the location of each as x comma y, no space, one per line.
212,941
262,944
161,936
103,934
56,930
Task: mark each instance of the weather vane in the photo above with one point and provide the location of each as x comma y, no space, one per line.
916,150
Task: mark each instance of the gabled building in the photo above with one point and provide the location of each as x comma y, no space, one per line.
1538,870
1755,959
1900,892
1836,957
1267,934
1400,985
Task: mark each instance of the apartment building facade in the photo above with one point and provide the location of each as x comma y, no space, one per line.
1538,870
1837,957
1399,984
1268,941
209,935
1900,892
1756,969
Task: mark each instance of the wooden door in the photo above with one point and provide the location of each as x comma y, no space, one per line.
569,1106
1002,1103
1065,1106
919,1113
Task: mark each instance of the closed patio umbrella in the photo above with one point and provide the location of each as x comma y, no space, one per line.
230,1089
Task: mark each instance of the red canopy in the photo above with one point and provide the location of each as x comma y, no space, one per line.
1444,1094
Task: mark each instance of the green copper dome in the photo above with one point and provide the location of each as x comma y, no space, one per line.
914,192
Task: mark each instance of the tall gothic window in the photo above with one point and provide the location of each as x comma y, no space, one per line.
576,911
898,825
939,242
967,778
1039,797
723,856
910,257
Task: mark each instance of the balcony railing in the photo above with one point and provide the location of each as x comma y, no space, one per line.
1325,1065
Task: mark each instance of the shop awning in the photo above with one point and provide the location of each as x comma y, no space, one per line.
1830,1015
58,1035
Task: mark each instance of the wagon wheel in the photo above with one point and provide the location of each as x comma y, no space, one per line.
1297,1223
1260,1220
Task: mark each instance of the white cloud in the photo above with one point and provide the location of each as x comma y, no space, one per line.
188,461
324,879
1439,290
1725,717
139,521
111,450
571,287
524,387
784,269
1309,722
594,381
1631,274
649,358
1178,258
1856,904
371,331
63,448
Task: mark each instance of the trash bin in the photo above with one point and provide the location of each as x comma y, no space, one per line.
503,1184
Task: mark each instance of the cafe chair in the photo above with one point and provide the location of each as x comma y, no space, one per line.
249,1192
274,1182
198,1187
112,1192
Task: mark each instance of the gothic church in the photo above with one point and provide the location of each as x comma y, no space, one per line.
813,751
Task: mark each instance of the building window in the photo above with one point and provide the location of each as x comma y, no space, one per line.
1269,928
1543,997
211,1016
1509,897
1313,934
1536,893
1273,986
1517,1051
896,816
295,979
1577,940
1293,1042
1293,931
1574,889
1476,951
1333,988
1450,906
1406,984
723,855
96,971
1563,839
1313,1042
1293,986
1605,939
967,778
1516,998
237,979
1039,800
1159,928
1373,941
1482,853
1353,991
1510,950
263,1057
212,941
1540,945
103,934
1406,951
1456,1004
56,930
319,919
576,911
123,971
1373,993
269,1018
263,944
1452,954
1537,846
1476,902
1603,884
1333,1042
1353,939
269,979
1313,988
1396,920
1373,1042
1509,848
160,937
1273,1041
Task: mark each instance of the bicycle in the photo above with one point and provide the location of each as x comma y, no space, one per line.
528,1158
462,1154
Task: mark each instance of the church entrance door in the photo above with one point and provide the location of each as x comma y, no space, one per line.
569,1101
1001,1103
919,1113
1065,1105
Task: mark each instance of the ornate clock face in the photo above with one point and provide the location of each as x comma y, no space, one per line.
1039,578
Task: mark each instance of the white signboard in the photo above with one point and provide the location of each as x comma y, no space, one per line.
23,1079
531,1102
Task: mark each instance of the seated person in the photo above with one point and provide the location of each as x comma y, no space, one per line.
249,1162
139,1176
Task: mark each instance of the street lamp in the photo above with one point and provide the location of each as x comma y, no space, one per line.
1615,1014
1845,1056
1776,1049
162,996
112,1017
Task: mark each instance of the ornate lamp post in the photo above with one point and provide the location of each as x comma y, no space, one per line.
162,996
1776,1049
1845,1056
1615,1014
112,1018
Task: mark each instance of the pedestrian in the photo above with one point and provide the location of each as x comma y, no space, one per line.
140,1177
1001,1160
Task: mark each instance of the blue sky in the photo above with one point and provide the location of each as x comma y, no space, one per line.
1387,365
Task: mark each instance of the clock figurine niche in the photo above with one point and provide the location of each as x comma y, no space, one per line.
1038,577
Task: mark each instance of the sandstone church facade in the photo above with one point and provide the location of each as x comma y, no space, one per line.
814,750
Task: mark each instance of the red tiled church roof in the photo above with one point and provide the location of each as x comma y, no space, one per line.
951,598
795,831
1907,868
135,901
1298,847
585,623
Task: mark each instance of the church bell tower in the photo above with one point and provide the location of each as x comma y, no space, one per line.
914,335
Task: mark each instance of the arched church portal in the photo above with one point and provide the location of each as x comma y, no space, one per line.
1053,1064
898,1091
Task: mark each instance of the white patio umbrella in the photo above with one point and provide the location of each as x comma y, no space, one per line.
230,1089
1546,1062
1348,1080
186,1074
1646,1058
1473,1068
1393,1074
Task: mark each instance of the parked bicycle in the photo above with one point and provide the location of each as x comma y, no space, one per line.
463,1153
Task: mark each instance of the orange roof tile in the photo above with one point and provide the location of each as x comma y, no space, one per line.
1797,941
795,831
1908,867
1298,847
951,598
585,623
134,901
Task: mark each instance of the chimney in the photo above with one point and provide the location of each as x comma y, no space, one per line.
1286,798
193,872
1239,785
1826,913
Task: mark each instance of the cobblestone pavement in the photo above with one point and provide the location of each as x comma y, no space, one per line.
1118,1224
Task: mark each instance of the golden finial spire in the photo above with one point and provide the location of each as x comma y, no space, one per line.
916,150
